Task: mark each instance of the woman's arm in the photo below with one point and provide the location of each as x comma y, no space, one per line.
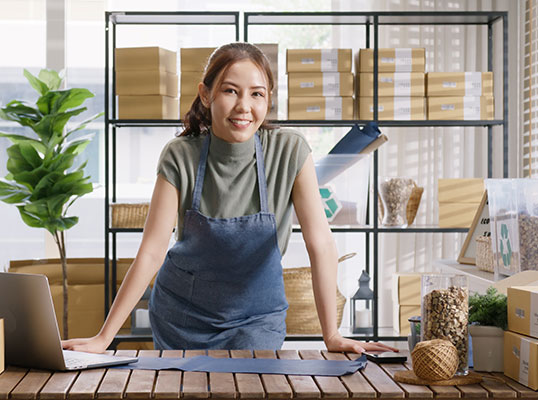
159,225
323,259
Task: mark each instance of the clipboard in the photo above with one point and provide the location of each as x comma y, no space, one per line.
479,227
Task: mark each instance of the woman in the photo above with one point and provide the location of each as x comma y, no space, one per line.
220,286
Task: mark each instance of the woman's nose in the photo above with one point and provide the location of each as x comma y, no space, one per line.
242,104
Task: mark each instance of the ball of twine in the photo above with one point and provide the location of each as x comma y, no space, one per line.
435,360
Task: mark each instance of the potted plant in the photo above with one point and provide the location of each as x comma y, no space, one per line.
487,322
43,180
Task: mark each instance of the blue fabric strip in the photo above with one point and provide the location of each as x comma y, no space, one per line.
250,365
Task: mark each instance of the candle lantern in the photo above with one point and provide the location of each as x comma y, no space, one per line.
140,315
361,312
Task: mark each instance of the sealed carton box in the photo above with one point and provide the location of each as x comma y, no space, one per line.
194,59
457,215
392,84
406,290
460,190
128,58
392,60
523,310
318,60
448,84
148,107
320,108
461,108
401,315
146,82
312,84
392,108
521,359
189,82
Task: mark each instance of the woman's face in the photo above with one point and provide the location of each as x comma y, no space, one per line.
239,104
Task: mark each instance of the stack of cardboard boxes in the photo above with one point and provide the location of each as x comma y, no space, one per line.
458,201
146,83
460,95
320,84
192,64
400,84
406,300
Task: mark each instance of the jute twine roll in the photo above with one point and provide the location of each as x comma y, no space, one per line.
127,215
435,360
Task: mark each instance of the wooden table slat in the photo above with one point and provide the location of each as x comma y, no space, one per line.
302,386
276,386
473,391
330,386
31,384
248,385
9,379
115,380
58,385
522,391
497,388
168,383
221,385
86,384
141,383
195,383
413,391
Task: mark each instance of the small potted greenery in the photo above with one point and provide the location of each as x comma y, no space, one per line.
487,322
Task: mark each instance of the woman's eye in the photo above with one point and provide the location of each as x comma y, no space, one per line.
229,90
258,94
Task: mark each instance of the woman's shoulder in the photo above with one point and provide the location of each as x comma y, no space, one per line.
184,144
283,136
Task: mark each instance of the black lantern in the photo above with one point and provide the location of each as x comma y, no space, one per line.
361,312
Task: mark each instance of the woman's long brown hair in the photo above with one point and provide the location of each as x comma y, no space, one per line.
198,119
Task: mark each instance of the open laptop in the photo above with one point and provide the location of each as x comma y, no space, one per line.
32,338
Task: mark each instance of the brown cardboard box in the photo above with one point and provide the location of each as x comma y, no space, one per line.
523,310
185,102
392,60
401,316
194,59
148,107
457,215
146,82
318,60
2,346
391,84
521,359
456,84
271,52
189,82
406,290
320,108
392,108
460,190
312,84
461,108
129,58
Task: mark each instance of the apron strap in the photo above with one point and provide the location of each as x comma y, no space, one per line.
200,174
262,182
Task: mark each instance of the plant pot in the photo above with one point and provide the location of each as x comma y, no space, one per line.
487,348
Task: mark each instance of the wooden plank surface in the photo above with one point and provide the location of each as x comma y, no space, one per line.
330,386
473,391
302,386
441,392
496,387
195,383
141,383
356,384
276,386
86,384
522,391
115,380
412,391
248,385
9,379
58,385
31,384
221,385
168,383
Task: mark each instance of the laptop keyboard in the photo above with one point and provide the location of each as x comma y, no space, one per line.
76,359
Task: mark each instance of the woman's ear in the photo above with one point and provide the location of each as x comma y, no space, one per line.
204,94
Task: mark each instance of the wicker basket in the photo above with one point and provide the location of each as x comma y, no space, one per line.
412,204
126,215
484,254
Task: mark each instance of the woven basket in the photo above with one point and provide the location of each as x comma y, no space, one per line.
484,254
412,204
435,360
126,215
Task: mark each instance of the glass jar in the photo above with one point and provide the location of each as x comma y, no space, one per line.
445,313
395,193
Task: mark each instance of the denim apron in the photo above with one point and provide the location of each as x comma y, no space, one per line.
221,286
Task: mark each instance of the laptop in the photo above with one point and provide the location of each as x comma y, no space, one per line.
32,338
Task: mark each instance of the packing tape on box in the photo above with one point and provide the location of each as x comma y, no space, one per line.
333,108
331,84
403,60
473,84
402,84
524,352
329,59
402,108
471,108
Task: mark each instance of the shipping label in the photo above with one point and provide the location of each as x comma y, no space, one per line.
333,108
307,61
314,109
402,84
402,108
524,351
471,108
329,59
473,84
306,85
404,60
331,84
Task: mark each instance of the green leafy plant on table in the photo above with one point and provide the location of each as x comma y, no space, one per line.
488,309
43,180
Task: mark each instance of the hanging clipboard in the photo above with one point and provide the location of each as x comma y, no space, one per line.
479,227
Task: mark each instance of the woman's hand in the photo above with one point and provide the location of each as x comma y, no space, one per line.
95,344
339,344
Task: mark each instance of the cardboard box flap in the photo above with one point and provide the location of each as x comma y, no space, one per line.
523,278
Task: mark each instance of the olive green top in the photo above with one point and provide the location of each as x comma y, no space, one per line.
230,185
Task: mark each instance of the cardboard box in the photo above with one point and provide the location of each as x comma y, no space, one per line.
401,316
461,108
393,60
146,82
318,60
148,107
391,84
271,52
194,59
457,215
189,82
129,58
460,190
312,84
459,84
392,108
320,108
521,359
406,290
185,102
2,346
523,310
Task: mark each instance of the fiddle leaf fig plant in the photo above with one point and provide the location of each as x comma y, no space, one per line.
43,180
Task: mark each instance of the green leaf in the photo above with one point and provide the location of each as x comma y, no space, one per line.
76,146
83,124
38,208
30,154
45,184
73,98
56,204
50,128
488,309
51,78
60,224
19,112
40,147
16,162
13,194
30,178
40,86
30,219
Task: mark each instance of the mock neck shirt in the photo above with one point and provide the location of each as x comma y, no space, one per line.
231,186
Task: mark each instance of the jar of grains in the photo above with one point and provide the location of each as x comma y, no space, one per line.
445,313
395,193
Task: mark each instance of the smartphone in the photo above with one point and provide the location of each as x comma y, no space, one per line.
386,357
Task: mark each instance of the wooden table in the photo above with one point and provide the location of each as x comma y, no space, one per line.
373,382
